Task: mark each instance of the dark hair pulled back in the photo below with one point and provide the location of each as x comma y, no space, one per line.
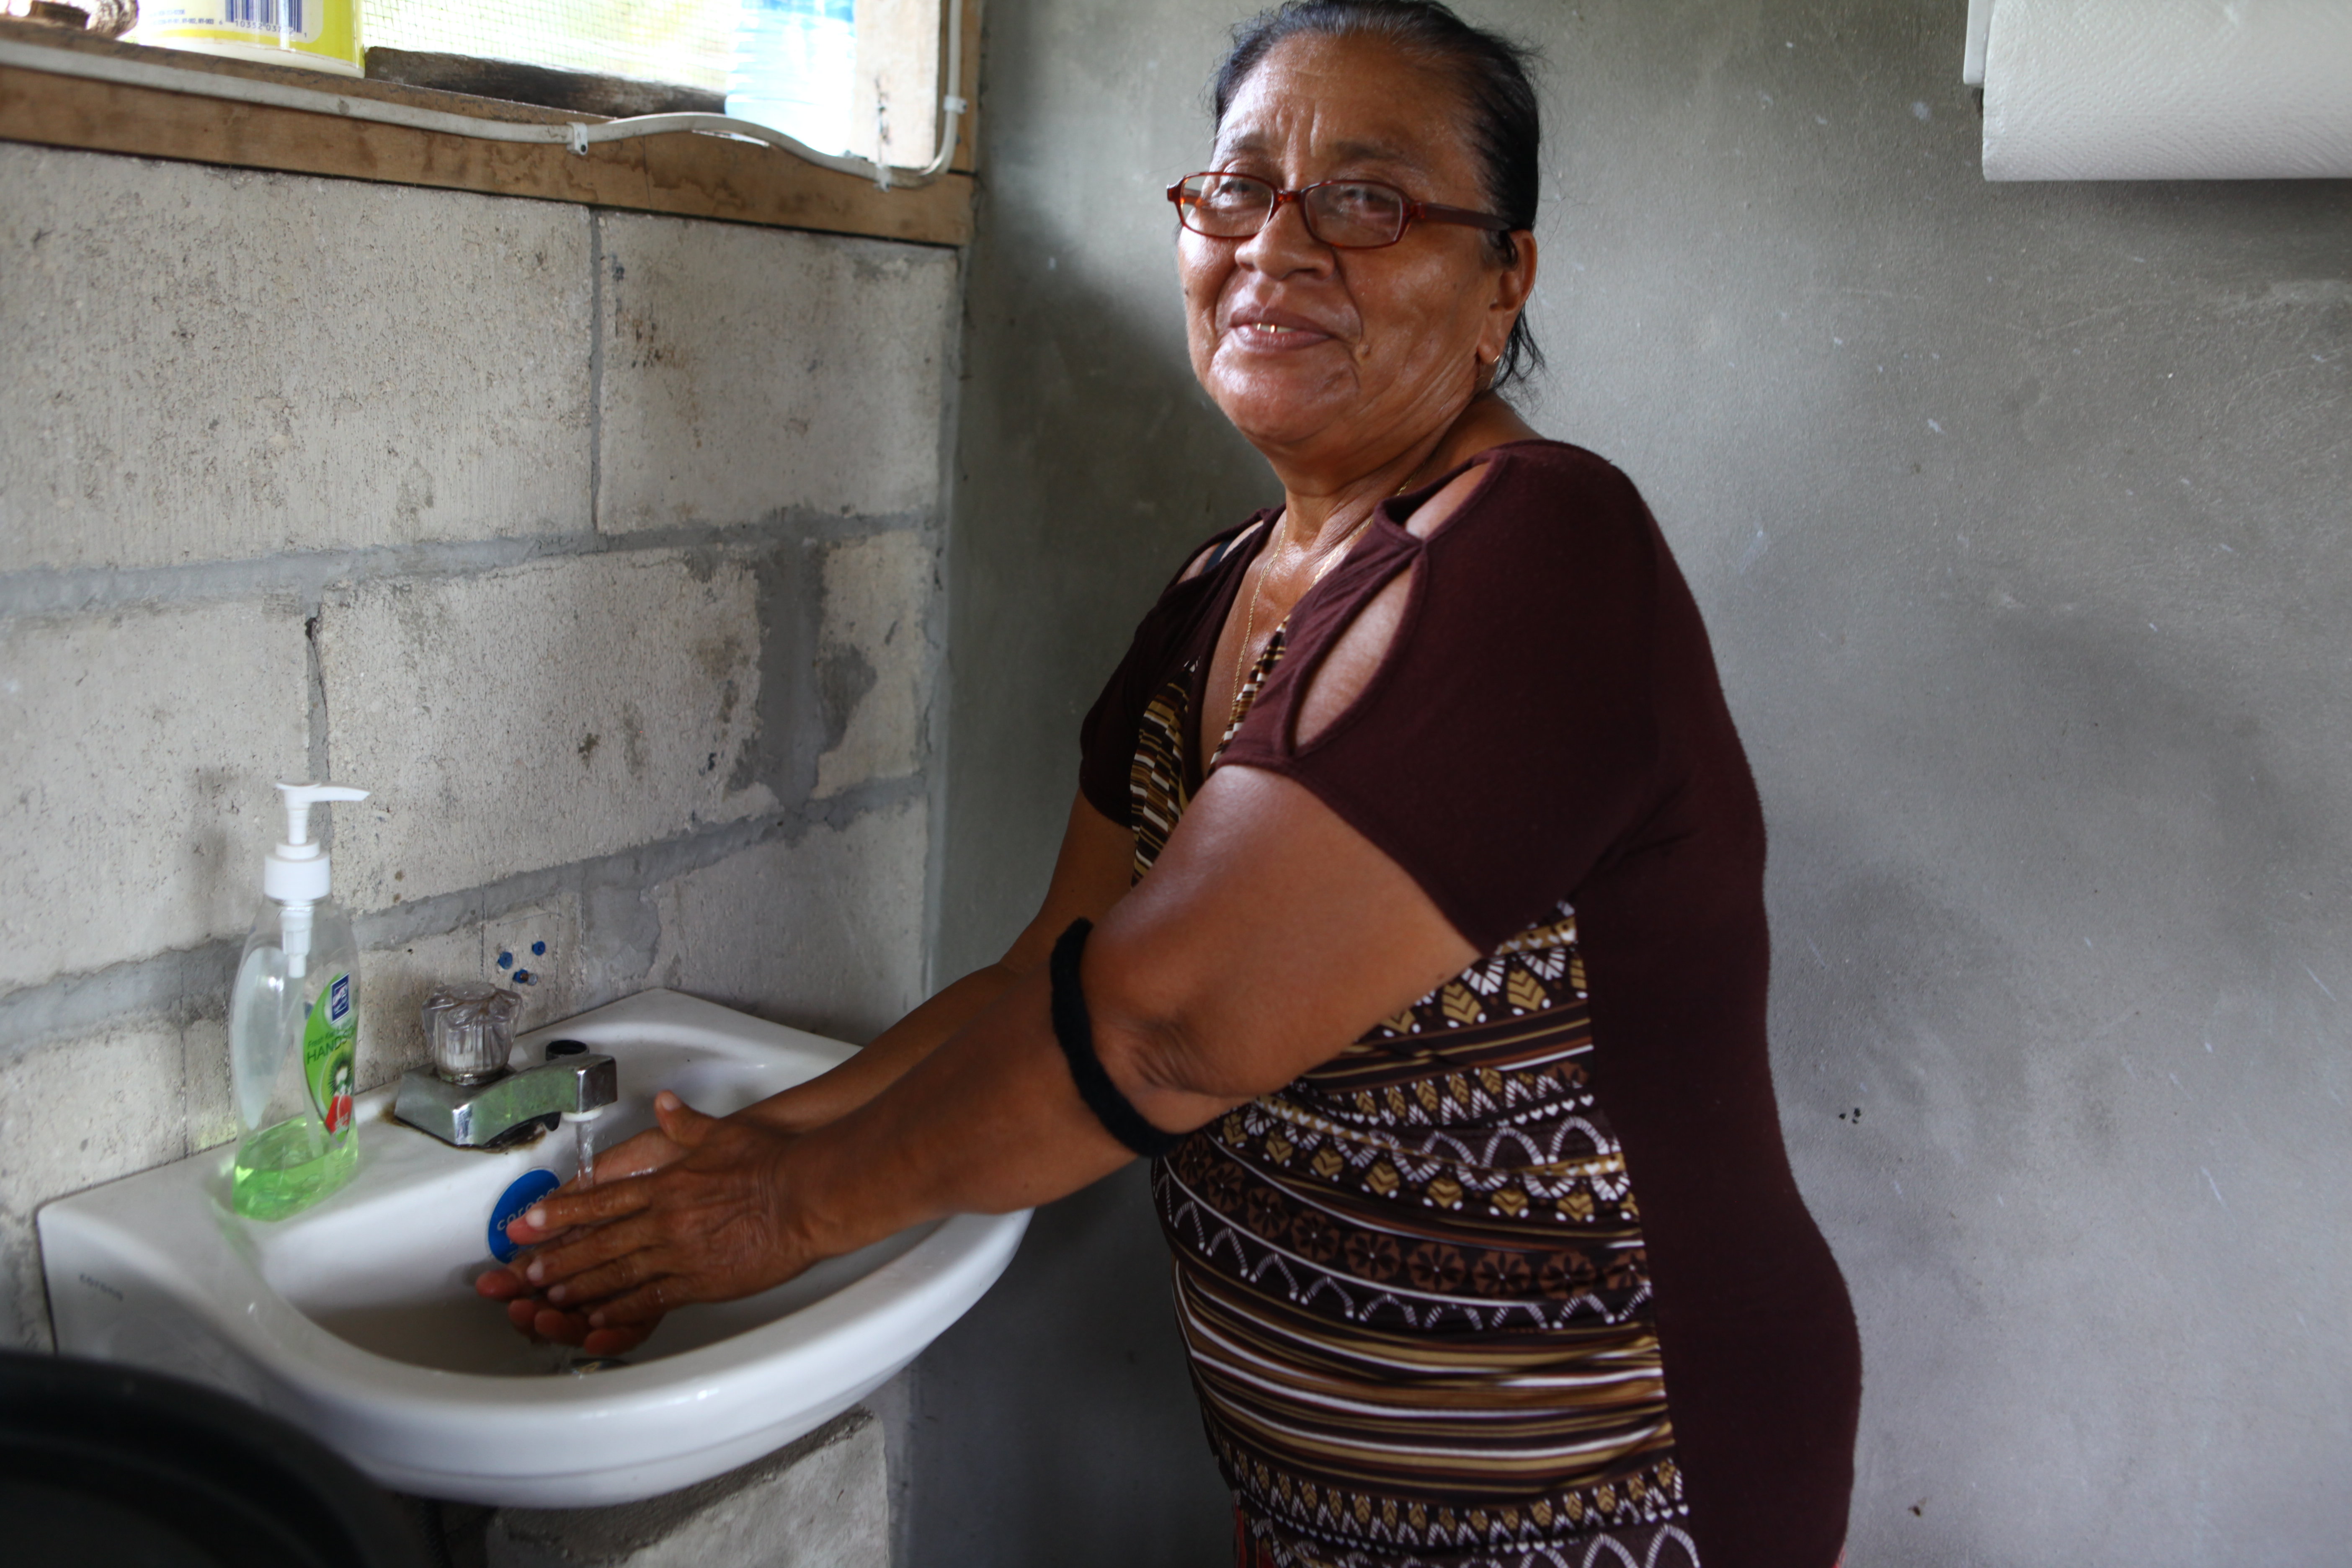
1506,125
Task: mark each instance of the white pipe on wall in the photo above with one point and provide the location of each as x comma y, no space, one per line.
2165,89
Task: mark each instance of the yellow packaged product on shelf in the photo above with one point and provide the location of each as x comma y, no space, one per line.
323,35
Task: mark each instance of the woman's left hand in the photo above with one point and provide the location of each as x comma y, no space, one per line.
710,1225
647,1152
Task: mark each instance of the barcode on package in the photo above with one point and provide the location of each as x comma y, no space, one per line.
266,15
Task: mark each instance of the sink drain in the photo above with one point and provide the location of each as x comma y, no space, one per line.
585,1364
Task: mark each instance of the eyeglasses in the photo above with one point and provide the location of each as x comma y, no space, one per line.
1346,214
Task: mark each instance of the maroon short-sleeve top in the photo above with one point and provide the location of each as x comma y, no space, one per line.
1547,735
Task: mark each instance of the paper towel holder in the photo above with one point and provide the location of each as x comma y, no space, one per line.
1972,57
2162,89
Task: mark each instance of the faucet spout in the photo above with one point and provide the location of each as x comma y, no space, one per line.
472,1115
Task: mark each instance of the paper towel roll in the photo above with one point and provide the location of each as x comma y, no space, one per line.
2169,90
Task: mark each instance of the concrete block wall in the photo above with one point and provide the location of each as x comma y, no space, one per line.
821,1502
602,547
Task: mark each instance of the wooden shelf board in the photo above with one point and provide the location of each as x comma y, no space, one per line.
686,174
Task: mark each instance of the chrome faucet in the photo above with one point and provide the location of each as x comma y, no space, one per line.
471,1099
573,1086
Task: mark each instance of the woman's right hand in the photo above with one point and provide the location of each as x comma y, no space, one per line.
1090,875
648,1151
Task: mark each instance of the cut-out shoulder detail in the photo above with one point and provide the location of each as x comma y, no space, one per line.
1447,504
1521,674
1355,658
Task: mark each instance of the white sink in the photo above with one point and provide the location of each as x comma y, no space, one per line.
357,1320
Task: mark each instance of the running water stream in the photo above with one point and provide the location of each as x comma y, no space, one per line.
570,1359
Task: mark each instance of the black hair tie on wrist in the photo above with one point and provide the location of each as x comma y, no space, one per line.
1075,1032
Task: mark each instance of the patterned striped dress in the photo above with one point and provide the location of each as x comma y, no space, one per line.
1415,1284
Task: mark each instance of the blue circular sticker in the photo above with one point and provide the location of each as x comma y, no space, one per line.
528,1189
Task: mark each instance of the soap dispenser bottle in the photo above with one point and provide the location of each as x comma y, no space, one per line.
293,1024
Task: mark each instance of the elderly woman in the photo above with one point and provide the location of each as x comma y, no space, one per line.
1409,919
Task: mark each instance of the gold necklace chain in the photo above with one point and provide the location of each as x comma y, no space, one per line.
1249,621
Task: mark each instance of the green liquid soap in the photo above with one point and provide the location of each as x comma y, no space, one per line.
289,1167
293,1027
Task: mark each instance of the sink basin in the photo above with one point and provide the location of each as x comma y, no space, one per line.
357,1319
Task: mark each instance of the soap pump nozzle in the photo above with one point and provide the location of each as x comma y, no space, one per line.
298,800
297,873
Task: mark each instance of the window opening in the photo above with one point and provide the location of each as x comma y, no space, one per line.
827,73
684,43
904,69
795,68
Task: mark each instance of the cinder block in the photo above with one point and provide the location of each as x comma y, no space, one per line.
619,929
548,982
74,1113
207,1093
212,363
750,371
537,716
826,933
396,981
141,746
873,656
393,983
824,1502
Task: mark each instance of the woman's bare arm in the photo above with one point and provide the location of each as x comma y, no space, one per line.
1090,874
1268,935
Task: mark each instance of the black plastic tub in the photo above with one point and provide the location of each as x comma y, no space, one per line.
109,1465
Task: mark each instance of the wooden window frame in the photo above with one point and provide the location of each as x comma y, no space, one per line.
684,173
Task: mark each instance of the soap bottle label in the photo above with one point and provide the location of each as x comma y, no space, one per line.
329,1037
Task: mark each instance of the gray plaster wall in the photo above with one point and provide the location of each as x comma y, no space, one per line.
606,548
2019,518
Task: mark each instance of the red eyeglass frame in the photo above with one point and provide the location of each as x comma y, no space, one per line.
1415,212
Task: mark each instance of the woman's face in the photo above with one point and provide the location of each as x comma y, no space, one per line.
1324,357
